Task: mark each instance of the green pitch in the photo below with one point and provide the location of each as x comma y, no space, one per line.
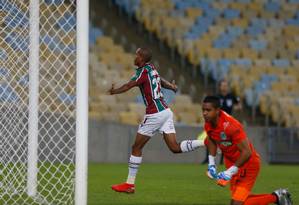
179,184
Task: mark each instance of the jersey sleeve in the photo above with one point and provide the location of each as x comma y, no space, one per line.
139,76
236,133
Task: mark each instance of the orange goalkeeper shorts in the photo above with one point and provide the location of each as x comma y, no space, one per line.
242,183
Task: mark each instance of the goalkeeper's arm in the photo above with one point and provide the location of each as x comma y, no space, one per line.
212,148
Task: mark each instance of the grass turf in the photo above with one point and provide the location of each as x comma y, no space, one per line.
179,184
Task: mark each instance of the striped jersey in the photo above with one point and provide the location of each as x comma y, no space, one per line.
149,82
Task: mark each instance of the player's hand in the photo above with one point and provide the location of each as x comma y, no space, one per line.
212,172
174,86
223,178
111,90
225,175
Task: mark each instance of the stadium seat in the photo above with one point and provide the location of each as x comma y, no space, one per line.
130,118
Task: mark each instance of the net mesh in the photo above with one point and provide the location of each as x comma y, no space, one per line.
56,111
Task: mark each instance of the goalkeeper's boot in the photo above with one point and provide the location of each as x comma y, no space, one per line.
283,197
124,187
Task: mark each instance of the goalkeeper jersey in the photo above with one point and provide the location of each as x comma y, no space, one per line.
228,133
149,83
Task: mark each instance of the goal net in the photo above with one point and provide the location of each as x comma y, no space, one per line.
38,71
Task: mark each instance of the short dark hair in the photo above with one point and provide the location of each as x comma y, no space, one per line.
146,54
212,99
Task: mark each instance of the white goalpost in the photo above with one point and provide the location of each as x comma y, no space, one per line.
43,101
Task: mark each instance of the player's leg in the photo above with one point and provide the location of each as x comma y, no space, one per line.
280,197
136,156
134,163
260,199
184,146
169,135
243,182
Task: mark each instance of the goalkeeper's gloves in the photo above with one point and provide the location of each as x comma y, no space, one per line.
225,176
212,172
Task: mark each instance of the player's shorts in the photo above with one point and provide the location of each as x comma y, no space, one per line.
157,122
243,182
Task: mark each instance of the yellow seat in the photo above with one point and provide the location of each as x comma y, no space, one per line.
137,108
182,99
108,99
230,53
249,53
192,13
240,22
262,62
130,118
188,118
213,53
268,54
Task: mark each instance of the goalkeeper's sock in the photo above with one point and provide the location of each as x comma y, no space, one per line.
134,163
190,145
260,199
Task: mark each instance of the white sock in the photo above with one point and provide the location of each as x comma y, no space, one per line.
190,145
134,163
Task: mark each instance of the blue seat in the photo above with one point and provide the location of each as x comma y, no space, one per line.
254,31
94,33
231,13
277,23
211,13
258,22
4,73
168,95
15,17
3,54
281,63
17,42
55,2
272,6
67,22
52,42
7,94
234,30
129,6
258,45
244,62
24,80
292,21
269,78
67,98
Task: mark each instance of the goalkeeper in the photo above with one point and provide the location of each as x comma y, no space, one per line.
240,158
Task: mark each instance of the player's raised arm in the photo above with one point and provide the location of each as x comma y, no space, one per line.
125,87
171,86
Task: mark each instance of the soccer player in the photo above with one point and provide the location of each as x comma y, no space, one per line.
240,158
158,117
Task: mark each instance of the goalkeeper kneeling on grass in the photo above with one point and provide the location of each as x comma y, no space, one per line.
240,158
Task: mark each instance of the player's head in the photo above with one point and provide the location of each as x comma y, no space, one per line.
223,86
210,108
143,56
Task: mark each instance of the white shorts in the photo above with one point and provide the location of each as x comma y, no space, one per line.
161,121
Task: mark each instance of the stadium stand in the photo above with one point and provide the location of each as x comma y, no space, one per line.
254,44
13,48
109,63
